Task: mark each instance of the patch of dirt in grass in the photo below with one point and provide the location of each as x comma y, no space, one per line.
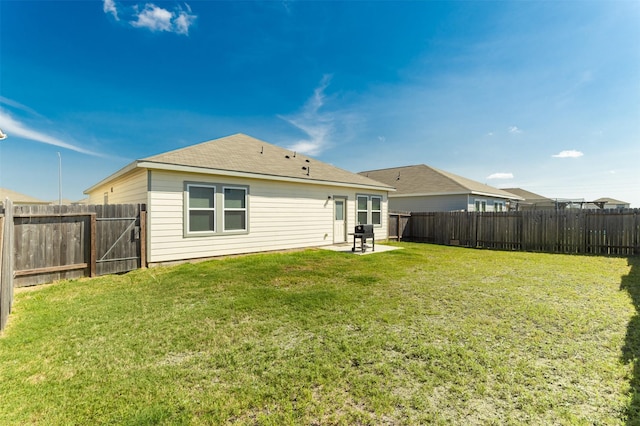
178,358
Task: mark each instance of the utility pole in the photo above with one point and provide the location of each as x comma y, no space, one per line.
60,181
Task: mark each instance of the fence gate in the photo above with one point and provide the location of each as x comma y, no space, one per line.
65,242
119,238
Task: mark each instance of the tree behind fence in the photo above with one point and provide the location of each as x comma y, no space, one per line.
607,232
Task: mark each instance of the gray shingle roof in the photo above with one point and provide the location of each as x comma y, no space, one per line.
527,195
425,180
242,153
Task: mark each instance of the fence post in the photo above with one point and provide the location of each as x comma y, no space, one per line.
636,227
143,237
92,245
6,263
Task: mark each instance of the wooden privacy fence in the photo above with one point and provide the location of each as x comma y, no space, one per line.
606,232
398,222
64,242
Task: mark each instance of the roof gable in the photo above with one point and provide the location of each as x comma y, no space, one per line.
425,180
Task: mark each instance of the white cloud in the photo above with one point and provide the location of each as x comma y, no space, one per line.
318,125
152,17
514,130
568,154
14,128
183,21
109,6
500,176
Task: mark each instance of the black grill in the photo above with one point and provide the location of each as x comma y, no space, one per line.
362,233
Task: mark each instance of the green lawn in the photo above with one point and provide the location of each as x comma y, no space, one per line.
423,335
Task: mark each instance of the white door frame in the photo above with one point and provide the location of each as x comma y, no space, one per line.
336,223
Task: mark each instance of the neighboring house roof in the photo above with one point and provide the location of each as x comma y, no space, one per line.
422,180
528,195
609,201
18,198
244,156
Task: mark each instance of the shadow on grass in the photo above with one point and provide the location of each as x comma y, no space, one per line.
631,348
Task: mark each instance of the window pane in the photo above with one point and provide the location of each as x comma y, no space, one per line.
375,218
234,221
200,197
234,198
362,203
375,203
200,220
339,210
362,218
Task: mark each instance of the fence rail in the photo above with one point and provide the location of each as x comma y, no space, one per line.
605,232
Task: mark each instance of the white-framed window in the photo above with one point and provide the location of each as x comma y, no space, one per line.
214,208
201,209
369,210
235,209
481,205
362,209
499,206
376,210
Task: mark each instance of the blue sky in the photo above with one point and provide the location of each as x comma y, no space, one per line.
540,95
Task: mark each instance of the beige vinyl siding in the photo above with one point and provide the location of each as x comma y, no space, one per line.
281,215
128,189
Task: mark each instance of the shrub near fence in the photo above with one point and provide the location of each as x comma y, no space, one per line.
607,232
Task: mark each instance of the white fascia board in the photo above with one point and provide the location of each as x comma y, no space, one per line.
202,170
427,194
432,194
488,194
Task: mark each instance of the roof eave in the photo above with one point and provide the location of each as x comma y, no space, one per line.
123,171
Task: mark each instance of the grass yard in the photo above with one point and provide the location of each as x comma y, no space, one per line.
423,335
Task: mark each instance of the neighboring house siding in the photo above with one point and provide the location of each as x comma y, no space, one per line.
445,203
429,204
281,215
129,189
491,204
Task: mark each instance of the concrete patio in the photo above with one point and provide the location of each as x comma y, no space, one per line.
346,248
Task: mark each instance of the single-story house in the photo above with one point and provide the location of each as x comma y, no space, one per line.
238,194
422,188
611,203
532,201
